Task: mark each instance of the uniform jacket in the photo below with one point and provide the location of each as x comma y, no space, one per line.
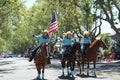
85,40
42,39
67,41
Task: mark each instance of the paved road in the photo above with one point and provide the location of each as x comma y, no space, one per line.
21,69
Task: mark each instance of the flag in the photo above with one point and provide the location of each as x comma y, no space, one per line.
53,25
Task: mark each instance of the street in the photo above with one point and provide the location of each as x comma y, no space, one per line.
21,69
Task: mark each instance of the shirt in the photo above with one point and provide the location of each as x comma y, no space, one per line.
42,39
67,41
85,40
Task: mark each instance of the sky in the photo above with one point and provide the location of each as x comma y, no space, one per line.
105,27
29,3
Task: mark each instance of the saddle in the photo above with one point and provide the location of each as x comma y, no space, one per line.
84,53
66,52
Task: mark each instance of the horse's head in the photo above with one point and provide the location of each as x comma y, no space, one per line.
102,44
45,48
76,46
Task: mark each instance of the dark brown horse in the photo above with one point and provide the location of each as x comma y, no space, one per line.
91,55
41,60
70,58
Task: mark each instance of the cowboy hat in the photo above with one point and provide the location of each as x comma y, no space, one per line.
65,34
45,31
68,33
86,33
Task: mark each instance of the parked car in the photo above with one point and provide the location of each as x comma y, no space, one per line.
11,55
6,55
26,55
1,56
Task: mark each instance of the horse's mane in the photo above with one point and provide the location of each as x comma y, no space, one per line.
93,43
73,48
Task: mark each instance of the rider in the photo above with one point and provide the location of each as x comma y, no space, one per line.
67,41
85,41
44,38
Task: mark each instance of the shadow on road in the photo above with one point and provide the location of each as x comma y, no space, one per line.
90,76
66,77
39,79
110,67
86,76
5,70
5,62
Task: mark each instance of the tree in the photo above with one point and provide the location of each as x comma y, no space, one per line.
106,38
110,11
17,24
10,15
74,15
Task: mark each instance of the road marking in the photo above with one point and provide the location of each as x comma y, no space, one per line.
103,73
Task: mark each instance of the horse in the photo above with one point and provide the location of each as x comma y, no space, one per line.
41,60
70,58
91,55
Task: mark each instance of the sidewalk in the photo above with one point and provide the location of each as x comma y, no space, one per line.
112,61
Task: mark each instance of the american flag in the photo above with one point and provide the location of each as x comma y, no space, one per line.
53,26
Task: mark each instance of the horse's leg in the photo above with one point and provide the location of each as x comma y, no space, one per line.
72,66
43,72
63,66
83,66
94,63
68,70
43,68
78,63
39,72
88,68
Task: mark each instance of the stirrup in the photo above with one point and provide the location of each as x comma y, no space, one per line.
49,62
31,58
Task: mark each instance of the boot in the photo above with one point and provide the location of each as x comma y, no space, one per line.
48,62
31,57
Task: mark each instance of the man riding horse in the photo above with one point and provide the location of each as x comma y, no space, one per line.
43,39
67,41
85,41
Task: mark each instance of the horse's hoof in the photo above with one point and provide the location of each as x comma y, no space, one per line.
95,76
38,78
69,74
83,74
73,76
62,75
87,74
34,79
80,73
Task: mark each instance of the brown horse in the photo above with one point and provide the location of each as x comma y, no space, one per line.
41,60
91,55
70,58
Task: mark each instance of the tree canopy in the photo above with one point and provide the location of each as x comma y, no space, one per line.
18,23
